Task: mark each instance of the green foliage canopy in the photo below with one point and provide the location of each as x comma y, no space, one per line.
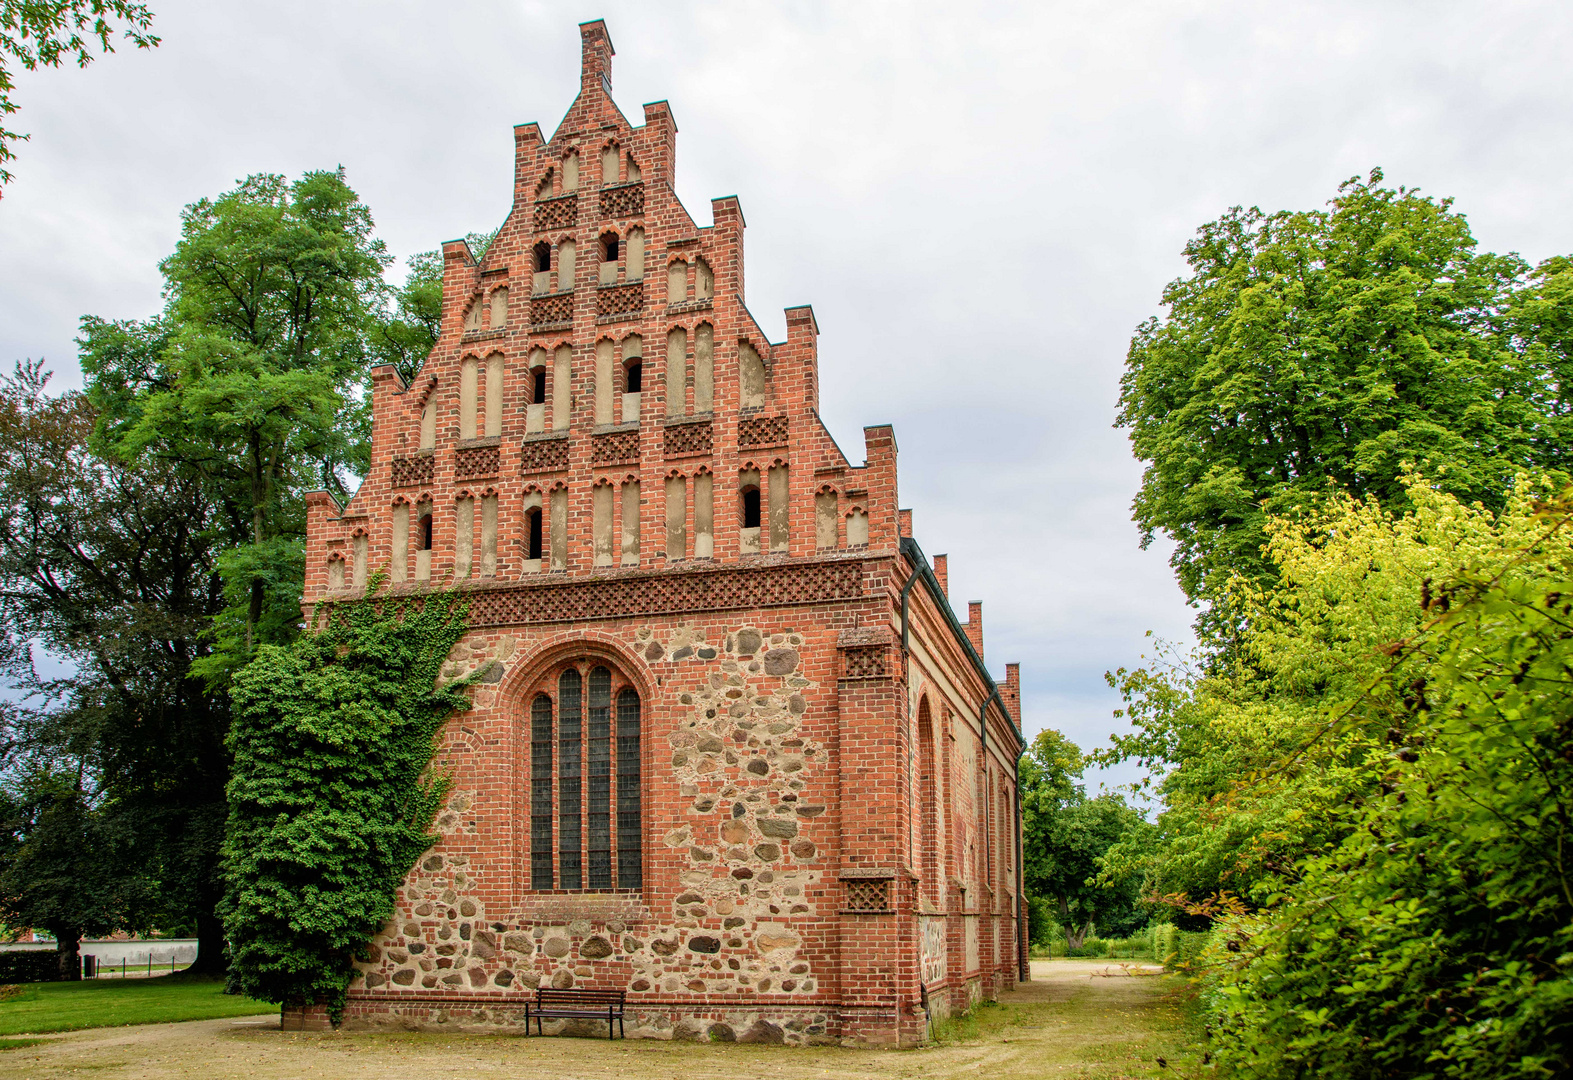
1435,939
1255,765
1317,351
331,797
1064,838
63,861
252,378
110,566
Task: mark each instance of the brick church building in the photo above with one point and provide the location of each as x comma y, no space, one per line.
733,752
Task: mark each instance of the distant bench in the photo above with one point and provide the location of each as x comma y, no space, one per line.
576,1005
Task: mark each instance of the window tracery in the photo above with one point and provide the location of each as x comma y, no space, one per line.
586,804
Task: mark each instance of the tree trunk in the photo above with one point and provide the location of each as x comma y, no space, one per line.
1074,937
68,954
211,958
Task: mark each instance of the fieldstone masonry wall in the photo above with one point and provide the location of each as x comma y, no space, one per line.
817,866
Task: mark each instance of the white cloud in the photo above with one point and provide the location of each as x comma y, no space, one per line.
981,201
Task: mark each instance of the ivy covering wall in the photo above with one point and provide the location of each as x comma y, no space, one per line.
332,796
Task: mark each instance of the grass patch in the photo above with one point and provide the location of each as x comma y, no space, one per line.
17,1044
1102,1029
71,1006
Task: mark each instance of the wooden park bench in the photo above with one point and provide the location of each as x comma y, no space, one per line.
576,1005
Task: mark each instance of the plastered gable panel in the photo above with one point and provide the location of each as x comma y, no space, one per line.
594,524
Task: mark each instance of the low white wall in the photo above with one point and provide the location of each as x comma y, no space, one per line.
111,953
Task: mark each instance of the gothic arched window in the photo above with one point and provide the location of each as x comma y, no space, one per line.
586,822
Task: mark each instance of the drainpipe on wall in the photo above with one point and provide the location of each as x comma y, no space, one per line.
1022,927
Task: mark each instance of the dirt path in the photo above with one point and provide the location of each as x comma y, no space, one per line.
1075,1019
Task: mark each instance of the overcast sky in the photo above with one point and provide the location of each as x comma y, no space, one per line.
980,200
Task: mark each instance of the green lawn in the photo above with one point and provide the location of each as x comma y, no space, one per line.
114,1002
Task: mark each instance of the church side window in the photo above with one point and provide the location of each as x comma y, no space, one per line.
534,535
423,539
586,822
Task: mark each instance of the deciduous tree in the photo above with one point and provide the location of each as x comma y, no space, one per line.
1318,352
257,388
111,566
1064,837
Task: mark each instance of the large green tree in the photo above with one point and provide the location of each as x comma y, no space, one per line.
1261,759
256,381
111,567
48,32
1320,351
66,863
1064,838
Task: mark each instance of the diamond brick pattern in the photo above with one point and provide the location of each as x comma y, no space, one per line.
678,591
625,200
686,440
411,471
616,446
544,455
558,213
762,431
867,894
473,461
551,309
620,299
864,662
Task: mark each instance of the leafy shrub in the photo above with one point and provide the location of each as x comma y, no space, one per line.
330,798
1436,939
1187,948
1129,948
1042,927
33,965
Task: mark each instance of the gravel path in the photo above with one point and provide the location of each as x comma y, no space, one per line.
1075,1019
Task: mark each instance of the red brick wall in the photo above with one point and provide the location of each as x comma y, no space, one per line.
782,870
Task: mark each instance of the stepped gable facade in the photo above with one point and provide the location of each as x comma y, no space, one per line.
733,753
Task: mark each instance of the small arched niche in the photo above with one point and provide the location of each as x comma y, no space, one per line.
541,265
608,246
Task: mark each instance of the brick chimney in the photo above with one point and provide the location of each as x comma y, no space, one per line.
975,625
1010,693
597,55
906,522
942,571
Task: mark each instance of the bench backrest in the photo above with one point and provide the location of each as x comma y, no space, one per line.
546,996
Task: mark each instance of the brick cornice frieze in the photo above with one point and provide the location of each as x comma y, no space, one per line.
555,599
